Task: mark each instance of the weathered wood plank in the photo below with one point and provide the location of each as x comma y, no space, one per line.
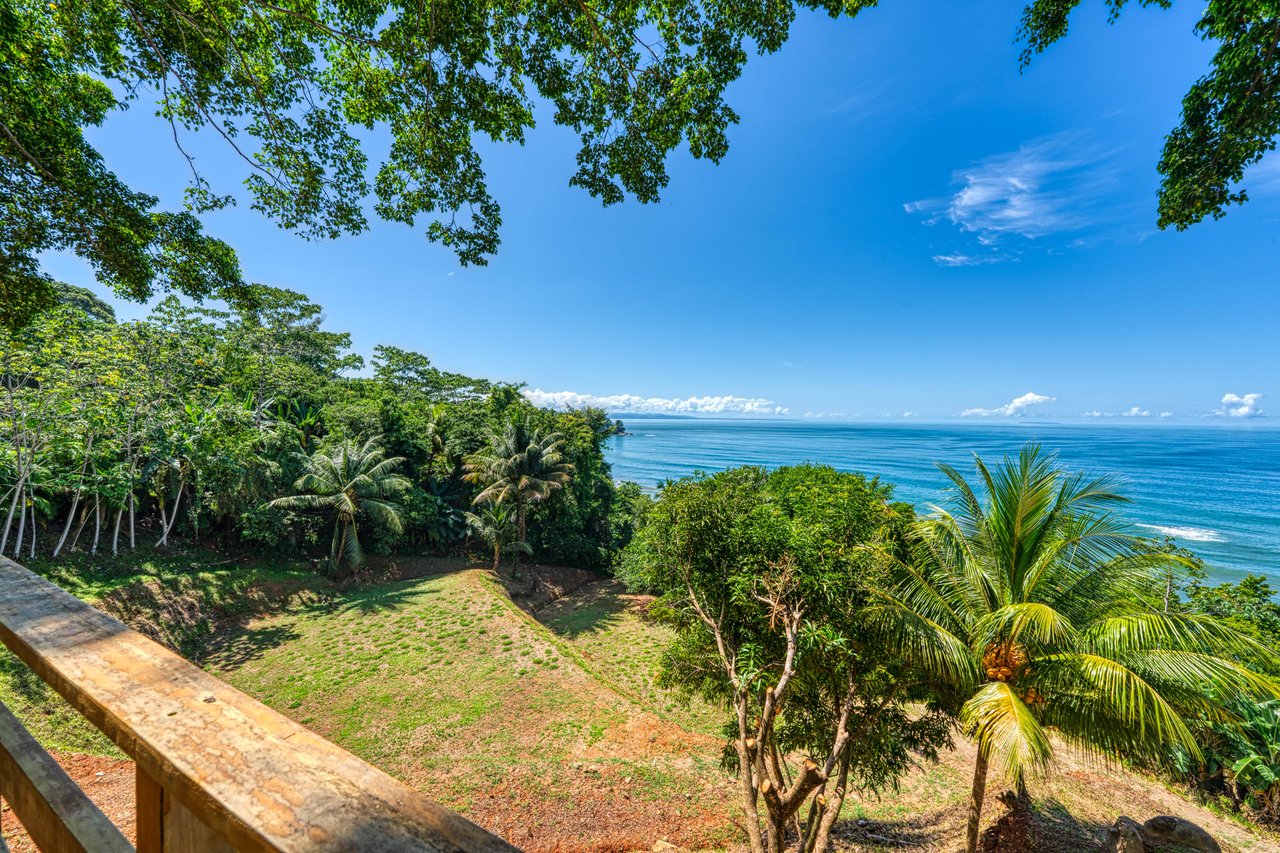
260,780
52,808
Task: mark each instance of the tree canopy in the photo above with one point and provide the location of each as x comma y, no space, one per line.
294,86
301,90
1230,117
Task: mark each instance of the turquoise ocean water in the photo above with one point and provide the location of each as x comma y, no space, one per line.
1215,488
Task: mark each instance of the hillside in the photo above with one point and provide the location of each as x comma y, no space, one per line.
553,734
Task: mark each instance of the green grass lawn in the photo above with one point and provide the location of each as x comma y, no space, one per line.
613,639
446,684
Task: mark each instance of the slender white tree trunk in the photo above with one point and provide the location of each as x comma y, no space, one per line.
22,523
13,505
75,502
84,519
97,523
71,514
173,517
33,531
133,542
115,534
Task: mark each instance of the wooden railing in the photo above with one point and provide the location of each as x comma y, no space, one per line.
216,770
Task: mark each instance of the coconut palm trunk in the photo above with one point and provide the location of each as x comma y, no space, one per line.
977,794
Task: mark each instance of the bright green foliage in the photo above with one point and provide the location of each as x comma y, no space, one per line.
292,86
1248,606
1230,117
520,466
496,526
765,578
346,483
1038,604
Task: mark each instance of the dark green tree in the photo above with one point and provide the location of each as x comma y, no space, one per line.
765,578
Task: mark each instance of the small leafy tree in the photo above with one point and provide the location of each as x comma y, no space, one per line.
1046,613
520,466
764,577
495,525
345,482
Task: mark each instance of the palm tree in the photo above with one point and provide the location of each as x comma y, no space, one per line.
496,527
1044,611
521,466
347,481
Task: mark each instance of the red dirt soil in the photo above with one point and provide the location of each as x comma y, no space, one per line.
109,782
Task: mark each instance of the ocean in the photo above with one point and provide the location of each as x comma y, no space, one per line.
1214,488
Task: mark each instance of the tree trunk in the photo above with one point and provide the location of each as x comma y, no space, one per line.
97,524
976,797
13,505
22,523
133,542
173,516
84,519
115,534
71,514
33,531
497,556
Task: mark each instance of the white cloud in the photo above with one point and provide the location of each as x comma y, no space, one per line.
632,404
962,260
1134,412
1058,184
1236,406
1166,414
1014,407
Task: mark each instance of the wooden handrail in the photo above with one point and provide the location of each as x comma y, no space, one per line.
217,770
56,814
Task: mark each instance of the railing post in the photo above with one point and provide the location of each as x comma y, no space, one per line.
149,797
165,825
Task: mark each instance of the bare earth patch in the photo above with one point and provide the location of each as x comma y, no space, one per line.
109,782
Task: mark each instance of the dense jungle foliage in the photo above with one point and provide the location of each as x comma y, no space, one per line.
206,425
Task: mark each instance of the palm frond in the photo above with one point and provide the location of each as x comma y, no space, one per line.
1006,730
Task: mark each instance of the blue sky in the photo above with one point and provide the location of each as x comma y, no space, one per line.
904,223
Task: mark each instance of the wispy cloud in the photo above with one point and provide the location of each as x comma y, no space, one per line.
1264,176
1014,407
1237,406
962,260
633,404
1056,185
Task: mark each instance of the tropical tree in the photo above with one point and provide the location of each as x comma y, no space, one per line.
764,577
345,482
496,527
1039,604
520,466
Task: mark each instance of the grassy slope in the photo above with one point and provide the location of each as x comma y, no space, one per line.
181,594
444,683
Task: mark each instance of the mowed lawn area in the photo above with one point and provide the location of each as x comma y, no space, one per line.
445,683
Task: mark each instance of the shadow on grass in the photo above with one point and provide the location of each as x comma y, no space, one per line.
576,615
922,831
375,599
235,649
1040,825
